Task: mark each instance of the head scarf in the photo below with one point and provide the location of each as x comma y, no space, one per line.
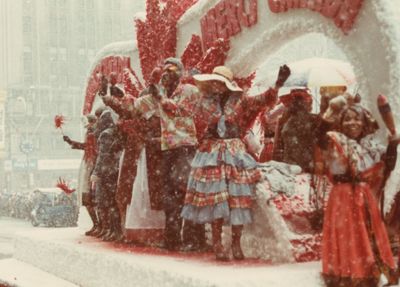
370,125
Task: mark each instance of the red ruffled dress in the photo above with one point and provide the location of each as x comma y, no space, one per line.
355,244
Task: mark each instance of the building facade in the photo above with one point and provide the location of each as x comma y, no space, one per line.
47,50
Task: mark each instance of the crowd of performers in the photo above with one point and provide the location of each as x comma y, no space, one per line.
200,170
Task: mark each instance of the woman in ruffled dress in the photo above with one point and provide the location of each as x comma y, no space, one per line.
223,174
355,245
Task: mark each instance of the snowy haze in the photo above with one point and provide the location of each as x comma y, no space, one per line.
47,51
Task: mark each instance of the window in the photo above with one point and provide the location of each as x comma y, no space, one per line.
116,4
63,25
53,64
61,4
52,4
28,65
42,103
62,54
53,30
90,4
27,24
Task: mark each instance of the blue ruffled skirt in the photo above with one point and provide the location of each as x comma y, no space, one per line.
221,183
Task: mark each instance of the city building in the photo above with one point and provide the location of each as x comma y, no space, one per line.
46,50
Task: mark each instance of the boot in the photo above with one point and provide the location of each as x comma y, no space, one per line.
100,224
110,236
93,216
106,224
194,237
172,230
114,226
122,233
236,235
219,251
122,215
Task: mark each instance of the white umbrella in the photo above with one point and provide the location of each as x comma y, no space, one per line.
317,72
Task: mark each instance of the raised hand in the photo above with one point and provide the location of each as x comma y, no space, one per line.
103,85
67,139
283,75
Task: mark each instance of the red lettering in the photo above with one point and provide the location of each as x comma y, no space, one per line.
114,65
292,4
208,29
253,12
331,8
316,5
106,68
342,12
275,6
119,69
226,20
204,32
249,18
95,73
211,27
347,14
232,16
127,62
221,23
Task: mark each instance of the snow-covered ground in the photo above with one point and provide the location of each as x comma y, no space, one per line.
64,255
9,227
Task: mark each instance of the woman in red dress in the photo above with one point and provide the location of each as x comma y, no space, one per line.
355,245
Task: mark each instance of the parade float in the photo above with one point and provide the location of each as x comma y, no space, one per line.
242,34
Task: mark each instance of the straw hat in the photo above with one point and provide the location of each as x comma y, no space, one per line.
222,74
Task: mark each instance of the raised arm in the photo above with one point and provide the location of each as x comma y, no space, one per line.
74,144
123,107
251,106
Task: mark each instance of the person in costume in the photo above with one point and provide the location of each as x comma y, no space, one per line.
85,196
355,244
105,175
296,132
130,129
170,143
223,174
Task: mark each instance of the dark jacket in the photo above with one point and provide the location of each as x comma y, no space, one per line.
109,147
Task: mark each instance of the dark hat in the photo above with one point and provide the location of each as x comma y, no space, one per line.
300,93
174,61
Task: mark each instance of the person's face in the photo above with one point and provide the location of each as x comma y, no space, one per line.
170,75
352,124
218,87
91,124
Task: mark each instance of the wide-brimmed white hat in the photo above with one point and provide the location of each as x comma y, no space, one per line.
222,74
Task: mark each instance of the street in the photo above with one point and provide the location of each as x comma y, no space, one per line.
9,227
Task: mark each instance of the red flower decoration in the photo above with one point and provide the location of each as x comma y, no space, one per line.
214,56
160,21
59,121
61,184
131,83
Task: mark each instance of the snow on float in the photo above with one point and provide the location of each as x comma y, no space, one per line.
244,34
